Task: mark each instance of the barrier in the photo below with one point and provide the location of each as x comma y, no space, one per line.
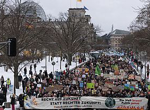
7,104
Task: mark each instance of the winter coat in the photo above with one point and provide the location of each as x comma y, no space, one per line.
21,100
19,78
13,100
51,76
4,89
8,81
2,98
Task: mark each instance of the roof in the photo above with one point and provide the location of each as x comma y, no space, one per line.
76,9
119,32
31,8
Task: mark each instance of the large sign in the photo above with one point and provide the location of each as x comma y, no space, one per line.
86,102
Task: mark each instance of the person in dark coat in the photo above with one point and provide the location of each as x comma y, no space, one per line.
31,67
21,100
51,75
20,79
34,67
30,72
13,100
4,89
23,84
2,98
45,72
25,70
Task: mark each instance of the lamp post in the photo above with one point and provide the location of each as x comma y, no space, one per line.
53,63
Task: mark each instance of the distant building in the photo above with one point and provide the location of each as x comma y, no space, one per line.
32,10
116,37
89,30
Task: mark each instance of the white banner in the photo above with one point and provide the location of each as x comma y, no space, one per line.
86,102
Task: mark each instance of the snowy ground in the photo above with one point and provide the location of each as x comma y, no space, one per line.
9,73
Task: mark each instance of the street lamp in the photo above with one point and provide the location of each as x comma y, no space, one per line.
53,63
46,54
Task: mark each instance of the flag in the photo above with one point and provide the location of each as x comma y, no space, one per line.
79,0
131,88
126,86
90,85
97,70
85,8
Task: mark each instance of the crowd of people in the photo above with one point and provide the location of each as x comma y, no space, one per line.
75,82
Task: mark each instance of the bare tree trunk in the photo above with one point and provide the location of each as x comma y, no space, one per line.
16,83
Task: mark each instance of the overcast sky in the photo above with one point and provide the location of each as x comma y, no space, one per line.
104,13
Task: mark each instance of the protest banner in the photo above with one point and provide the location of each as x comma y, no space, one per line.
126,86
11,87
132,88
90,85
148,87
138,78
53,88
39,85
136,103
131,76
81,84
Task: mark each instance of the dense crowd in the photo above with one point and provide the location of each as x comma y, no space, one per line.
74,83
69,83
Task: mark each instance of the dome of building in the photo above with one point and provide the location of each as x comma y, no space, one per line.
31,8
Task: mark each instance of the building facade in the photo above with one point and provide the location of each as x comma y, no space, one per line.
116,37
89,30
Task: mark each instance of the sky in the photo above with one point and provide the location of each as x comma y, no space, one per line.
104,13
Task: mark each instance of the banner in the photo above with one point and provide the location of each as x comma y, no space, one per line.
137,103
90,85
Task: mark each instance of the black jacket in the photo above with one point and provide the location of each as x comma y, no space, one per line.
13,100
21,100
2,98
19,78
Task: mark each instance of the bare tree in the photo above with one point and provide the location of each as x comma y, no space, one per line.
25,29
140,28
70,33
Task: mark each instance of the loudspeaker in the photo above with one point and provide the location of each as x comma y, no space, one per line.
11,47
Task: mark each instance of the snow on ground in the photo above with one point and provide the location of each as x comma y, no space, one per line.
9,73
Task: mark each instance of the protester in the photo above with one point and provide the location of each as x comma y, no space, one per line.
34,67
2,80
4,89
13,101
8,82
25,70
20,79
21,100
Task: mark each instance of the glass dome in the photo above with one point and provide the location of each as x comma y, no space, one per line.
31,8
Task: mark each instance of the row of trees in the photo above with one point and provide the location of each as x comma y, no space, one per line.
66,35
139,39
